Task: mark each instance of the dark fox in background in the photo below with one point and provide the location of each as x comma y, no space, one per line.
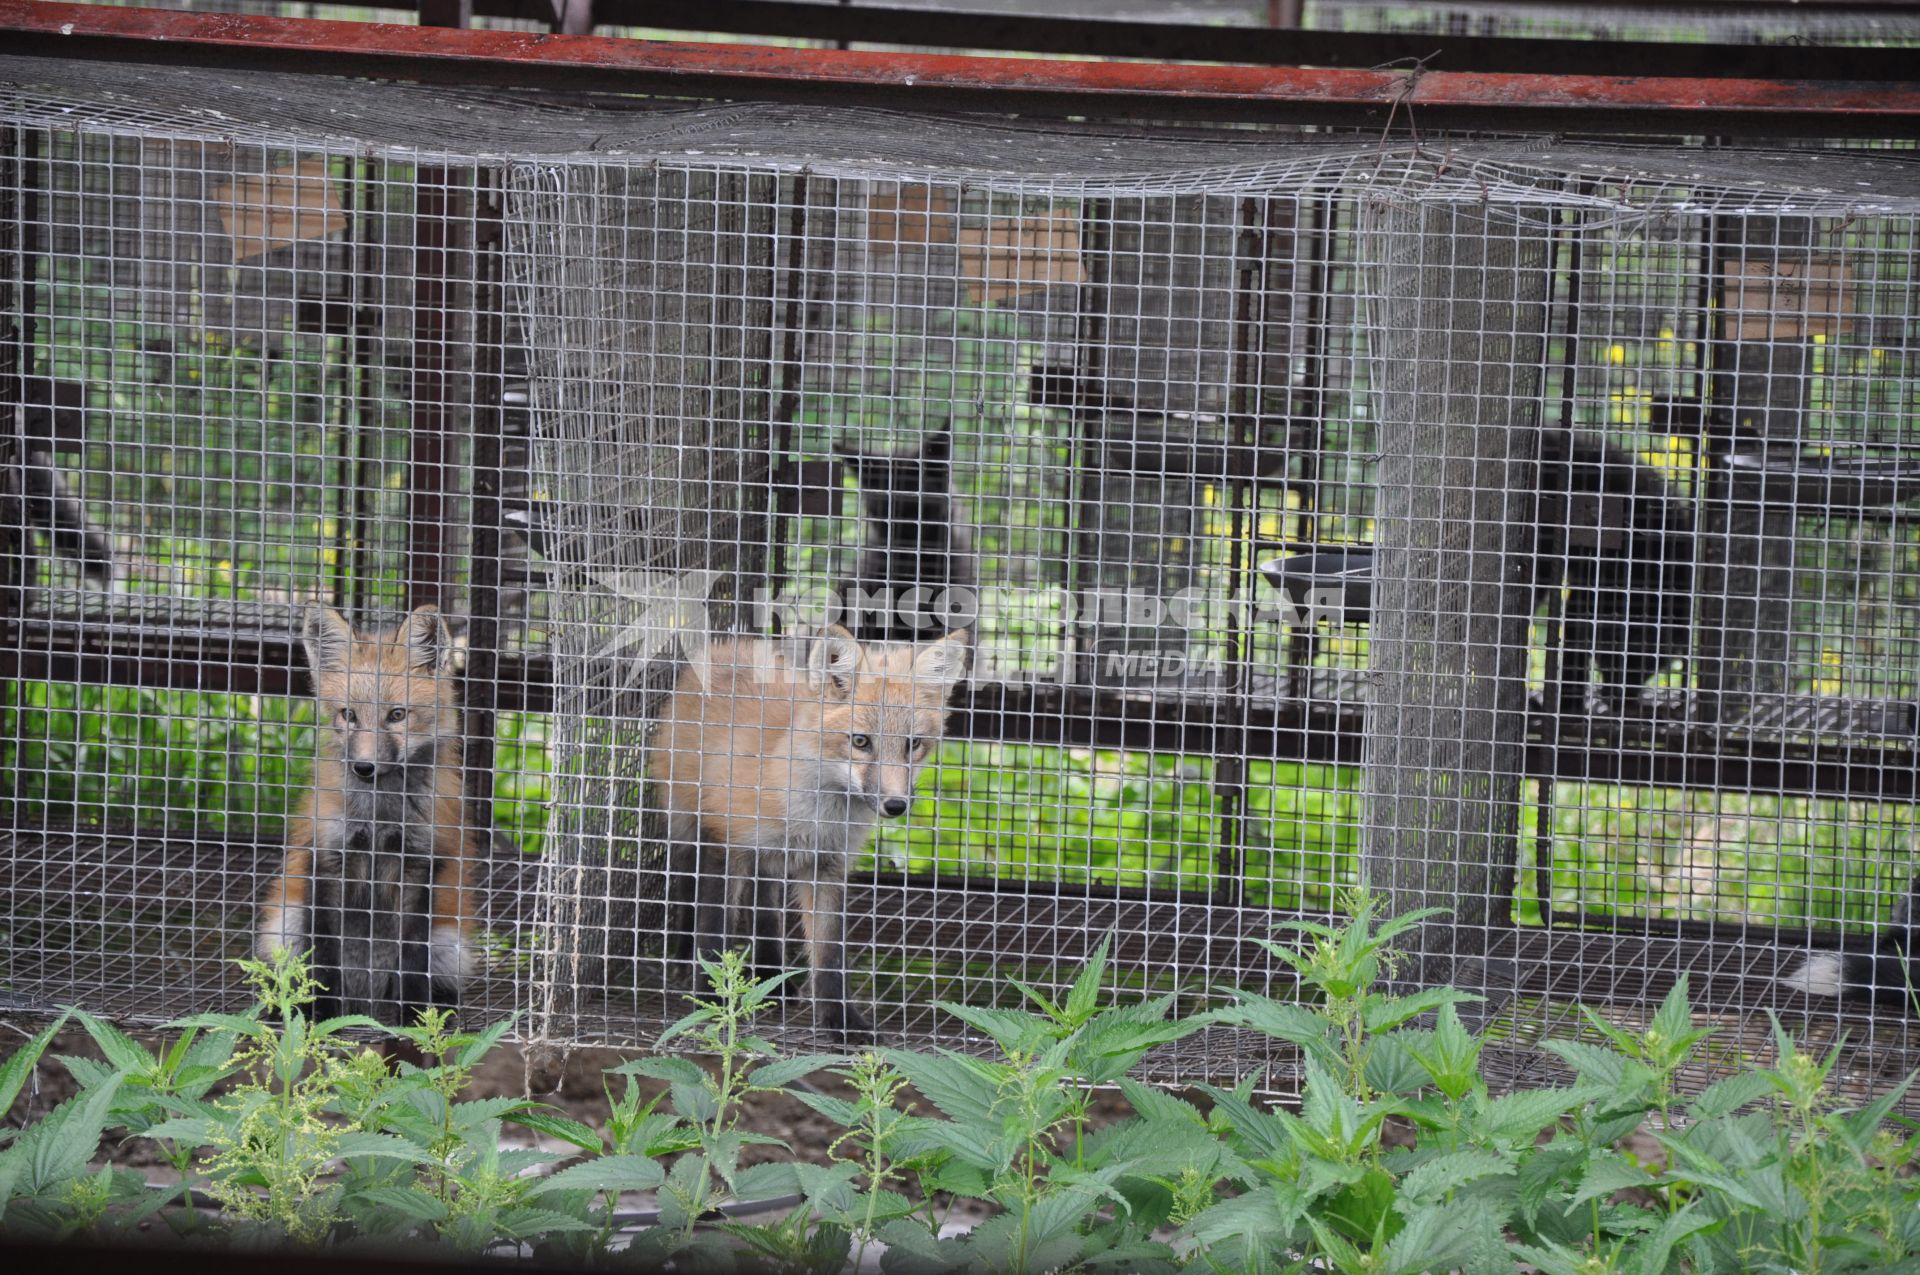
915,549
377,880
55,420
1887,976
1613,535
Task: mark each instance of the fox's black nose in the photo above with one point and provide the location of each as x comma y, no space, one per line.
894,807
364,769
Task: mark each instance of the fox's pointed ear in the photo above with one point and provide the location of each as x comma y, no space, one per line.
328,637
941,664
833,657
425,635
939,445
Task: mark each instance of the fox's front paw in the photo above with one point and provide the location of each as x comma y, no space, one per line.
848,1025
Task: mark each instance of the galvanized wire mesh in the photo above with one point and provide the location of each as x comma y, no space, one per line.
1590,468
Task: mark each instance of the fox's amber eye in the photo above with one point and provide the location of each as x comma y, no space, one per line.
862,742
916,748
347,717
397,715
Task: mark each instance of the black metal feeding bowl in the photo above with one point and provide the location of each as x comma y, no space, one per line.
1323,575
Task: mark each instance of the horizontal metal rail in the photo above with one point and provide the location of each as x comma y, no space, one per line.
1167,41
1362,98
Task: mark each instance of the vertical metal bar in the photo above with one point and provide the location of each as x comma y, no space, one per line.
1256,242
370,393
435,212
17,150
486,512
1573,244
1088,391
1322,219
783,495
16,543
446,13
347,506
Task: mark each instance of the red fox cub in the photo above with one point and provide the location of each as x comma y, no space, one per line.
774,759
379,860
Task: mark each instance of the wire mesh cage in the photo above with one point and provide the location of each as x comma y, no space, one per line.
1213,520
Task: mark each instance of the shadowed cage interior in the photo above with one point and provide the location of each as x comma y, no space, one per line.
1521,526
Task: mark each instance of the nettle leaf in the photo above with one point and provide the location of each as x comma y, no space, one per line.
1520,1117
60,1145
88,1073
358,1144
1270,1216
125,1054
523,1222
1544,1176
1084,996
1364,1208
1264,1135
189,1130
1653,1251
237,1024
1724,1097
1107,1049
778,1075
568,1131
1153,1104
913,1250
604,1173
515,1161
334,1026
21,1062
1433,1180
1606,1173
483,1111
961,1087
1163,1149
1009,1242
670,1069
414,1206
1383,1013
1393,1065
472,1051
1451,1056
1556,1259
986,1147
1595,1064
1462,1234
839,1110
1014,1030
1672,1026
1295,1024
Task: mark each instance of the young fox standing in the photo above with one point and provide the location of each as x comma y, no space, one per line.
379,858
775,758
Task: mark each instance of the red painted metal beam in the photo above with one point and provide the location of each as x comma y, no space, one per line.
1153,90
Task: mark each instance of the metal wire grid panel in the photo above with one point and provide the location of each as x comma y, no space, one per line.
1588,470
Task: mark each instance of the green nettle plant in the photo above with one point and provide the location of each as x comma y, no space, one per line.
1397,1158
